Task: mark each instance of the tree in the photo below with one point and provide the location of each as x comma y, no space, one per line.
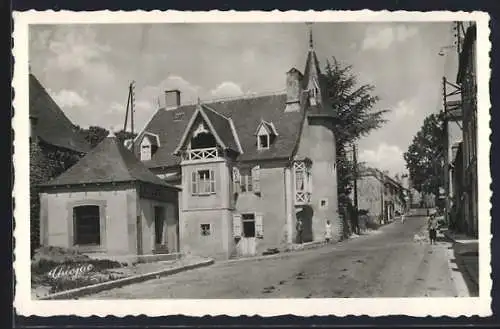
353,106
425,156
356,117
123,135
93,134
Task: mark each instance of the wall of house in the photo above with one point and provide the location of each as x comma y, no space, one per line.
317,142
146,211
370,196
214,209
116,215
222,178
217,244
270,203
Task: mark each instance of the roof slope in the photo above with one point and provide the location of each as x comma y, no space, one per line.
52,126
222,126
108,162
246,114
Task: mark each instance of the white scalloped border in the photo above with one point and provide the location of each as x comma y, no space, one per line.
453,307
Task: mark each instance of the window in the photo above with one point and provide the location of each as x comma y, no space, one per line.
145,152
203,182
205,229
246,180
87,228
263,142
323,203
248,225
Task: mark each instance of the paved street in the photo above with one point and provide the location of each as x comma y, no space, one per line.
390,262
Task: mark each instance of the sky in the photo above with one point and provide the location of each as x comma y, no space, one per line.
87,69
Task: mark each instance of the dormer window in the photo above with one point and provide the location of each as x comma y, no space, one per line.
266,134
149,145
263,142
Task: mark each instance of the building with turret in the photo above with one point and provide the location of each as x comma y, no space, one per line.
249,168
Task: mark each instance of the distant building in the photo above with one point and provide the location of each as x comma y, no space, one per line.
380,195
466,78
55,145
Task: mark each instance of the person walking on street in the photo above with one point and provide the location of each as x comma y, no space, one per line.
328,231
432,226
299,228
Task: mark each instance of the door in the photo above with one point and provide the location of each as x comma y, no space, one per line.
160,243
248,239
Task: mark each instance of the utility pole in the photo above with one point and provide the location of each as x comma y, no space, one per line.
355,186
132,105
446,153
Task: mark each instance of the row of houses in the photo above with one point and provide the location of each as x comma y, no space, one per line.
223,179
464,182
382,197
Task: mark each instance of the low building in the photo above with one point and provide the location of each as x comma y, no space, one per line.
55,145
110,204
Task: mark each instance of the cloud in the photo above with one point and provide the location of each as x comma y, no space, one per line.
76,50
384,157
226,89
189,92
68,98
403,110
382,37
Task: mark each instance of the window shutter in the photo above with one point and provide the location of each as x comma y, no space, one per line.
237,223
212,181
259,225
194,185
236,180
256,179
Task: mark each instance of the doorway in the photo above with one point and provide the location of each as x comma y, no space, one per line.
248,240
160,238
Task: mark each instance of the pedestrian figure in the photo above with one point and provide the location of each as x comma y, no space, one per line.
299,231
432,226
328,231
403,217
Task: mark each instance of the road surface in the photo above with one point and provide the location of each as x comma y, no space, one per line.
390,262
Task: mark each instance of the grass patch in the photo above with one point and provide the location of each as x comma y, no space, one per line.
59,269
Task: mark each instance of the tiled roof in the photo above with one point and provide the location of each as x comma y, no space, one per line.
52,126
246,114
108,162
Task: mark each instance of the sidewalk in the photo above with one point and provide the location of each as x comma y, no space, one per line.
466,253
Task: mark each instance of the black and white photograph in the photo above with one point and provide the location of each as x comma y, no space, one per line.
245,161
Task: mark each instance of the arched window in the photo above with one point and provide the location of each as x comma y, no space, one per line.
86,224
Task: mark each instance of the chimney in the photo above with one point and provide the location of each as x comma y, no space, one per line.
293,90
172,99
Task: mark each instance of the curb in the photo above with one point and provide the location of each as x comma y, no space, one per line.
95,288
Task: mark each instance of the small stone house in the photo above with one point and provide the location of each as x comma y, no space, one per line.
110,204
249,167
